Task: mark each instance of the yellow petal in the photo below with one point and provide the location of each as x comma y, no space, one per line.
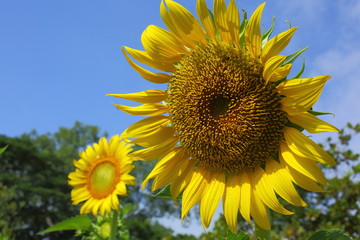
280,73
86,207
146,127
311,123
77,182
150,76
231,198
79,195
88,155
81,164
212,196
275,45
245,199
121,189
233,22
183,178
203,13
145,58
195,189
147,109
302,146
168,173
161,44
163,134
148,96
173,156
96,206
281,181
155,152
259,211
303,181
302,92
271,66
253,34
114,202
182,23
303,165
297,86
265,191
221,21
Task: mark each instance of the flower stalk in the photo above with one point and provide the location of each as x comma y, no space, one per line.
114,224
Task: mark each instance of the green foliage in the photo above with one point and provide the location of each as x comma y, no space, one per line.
35,169
34,193
141,227
82,222
9,208
329,235
3,149
239,236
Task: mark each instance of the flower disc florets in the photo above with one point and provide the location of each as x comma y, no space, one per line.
225,113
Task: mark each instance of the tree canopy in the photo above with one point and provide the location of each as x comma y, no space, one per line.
34,193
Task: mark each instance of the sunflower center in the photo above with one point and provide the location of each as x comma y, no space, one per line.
226,115
102,178
218,106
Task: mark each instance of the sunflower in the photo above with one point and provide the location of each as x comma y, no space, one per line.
101,174
229,125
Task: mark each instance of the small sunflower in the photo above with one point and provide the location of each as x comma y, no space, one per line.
229,125
101,174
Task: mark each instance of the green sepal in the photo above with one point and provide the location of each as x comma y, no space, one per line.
231,236
3,149
265,36
242,30
292,57
293,125
165,193
301,70
315,113
289,22
212,17
334,234
82,222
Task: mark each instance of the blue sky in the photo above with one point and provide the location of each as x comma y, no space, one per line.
58,59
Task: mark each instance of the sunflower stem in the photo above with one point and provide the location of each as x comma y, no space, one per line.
114,224
261,234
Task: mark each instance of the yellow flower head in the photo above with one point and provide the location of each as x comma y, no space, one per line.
101,174
227,127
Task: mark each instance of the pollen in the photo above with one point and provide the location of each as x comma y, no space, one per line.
102,177
226,115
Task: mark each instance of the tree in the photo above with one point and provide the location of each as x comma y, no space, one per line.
33,182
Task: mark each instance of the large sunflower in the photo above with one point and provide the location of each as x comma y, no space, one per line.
229,123
101,174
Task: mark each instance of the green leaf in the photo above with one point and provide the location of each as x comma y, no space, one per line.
231,236
126,209
82,222
334,234
3,149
